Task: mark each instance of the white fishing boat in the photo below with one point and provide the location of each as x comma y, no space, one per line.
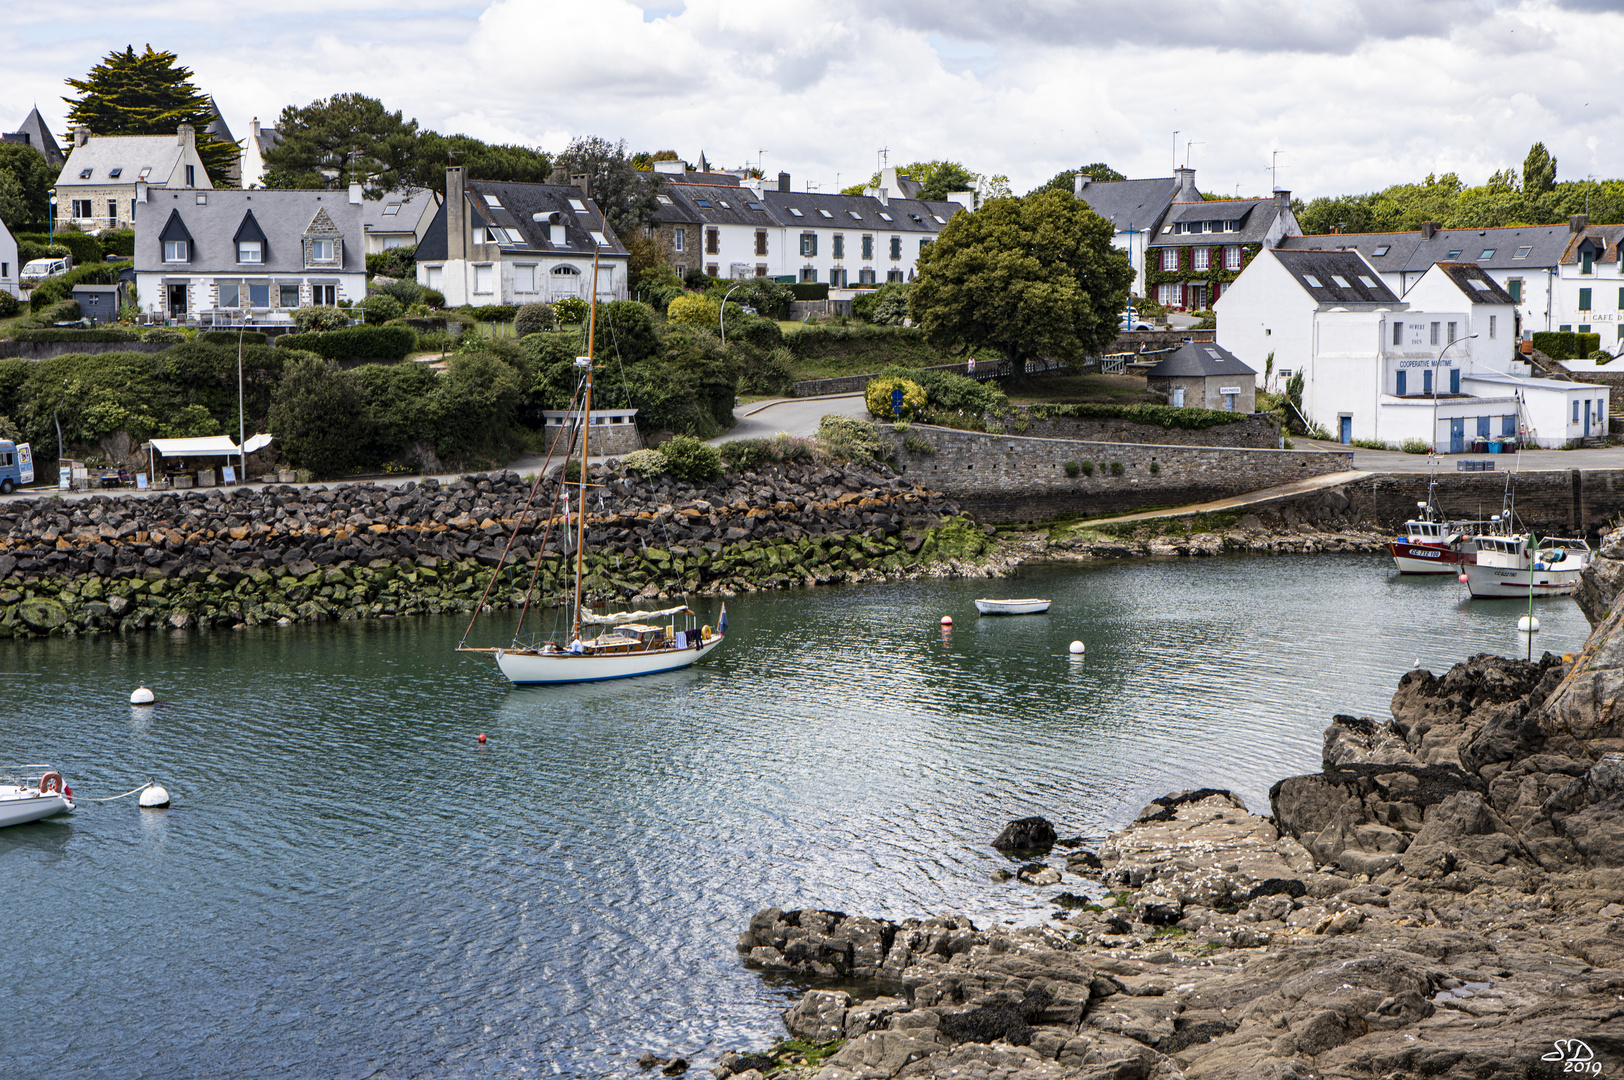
1431,544
1520,565
33,798
1012,607
625,644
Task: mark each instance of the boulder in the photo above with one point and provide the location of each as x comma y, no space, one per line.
1026,834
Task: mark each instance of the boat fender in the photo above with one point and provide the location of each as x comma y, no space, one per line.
50,784
705,632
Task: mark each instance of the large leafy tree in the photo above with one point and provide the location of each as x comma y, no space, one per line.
1034,276
484,161
345,139
1098,173
33,178
147,93
1539,170
620,189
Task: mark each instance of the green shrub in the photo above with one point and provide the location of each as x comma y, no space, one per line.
692,310
494,313
571,309
85,249
381,307
1413,445
1116,468
320,318
57,311
55,334
626,332
850,439
434,298
398,262
1164,416
762,334
370,342
1088,468
950,392
751,453
230,337
534,319
9,305
117,242
645,462
59,289
407,291
878,395
163,334
29,250
690,459
915,444
1155,468
1073,469
315,415
770,374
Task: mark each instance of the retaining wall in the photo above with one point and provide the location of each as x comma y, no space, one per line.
1023,478
1257,431
44,350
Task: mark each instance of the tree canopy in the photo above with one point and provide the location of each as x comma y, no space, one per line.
624,195
345,139
147,93
32,179
485,161
1034,276
940,178
1099,173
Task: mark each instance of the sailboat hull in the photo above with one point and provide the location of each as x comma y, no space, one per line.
525,668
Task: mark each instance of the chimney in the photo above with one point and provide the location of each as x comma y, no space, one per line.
356,194
253,130
186,136
1428,229
880,193
755,185
81,135
1578,223
584,182
783,182
140,191
670,168
1282,200
559,176
1079,182
456,213
1186,190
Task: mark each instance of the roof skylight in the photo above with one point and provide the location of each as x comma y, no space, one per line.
1366,282
578,206
492,200
825,213
1488,253
703,202
1341,282
855,216
1381,249
1454,254
885,217
600,239
755,206
115,172
796,212
391,210
940,220
1522,252
1313,282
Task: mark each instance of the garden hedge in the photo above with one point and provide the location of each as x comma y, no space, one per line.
62,334
355,342
1565,344
229,337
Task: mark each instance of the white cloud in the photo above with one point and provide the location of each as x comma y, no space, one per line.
1355,95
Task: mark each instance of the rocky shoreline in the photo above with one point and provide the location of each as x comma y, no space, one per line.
1445,898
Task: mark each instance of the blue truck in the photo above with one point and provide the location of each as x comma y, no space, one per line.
16,465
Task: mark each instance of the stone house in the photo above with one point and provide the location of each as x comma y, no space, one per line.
255,254
1201,246
1204,375
107,176
510,243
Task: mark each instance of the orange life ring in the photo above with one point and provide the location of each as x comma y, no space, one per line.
50,784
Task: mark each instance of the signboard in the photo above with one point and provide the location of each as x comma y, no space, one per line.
25,463
1229,389
230,472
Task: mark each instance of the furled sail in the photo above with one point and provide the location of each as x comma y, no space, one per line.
616,618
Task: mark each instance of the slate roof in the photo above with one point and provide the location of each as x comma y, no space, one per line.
713,205
857,212
1475,283
269,137
282,216
1199,358
1412,253
128,153
218,126
1604,244
1317,272
37,135
410,208
516,203
1136,204
710,179
1252,218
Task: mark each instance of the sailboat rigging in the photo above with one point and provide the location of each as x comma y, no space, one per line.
628,643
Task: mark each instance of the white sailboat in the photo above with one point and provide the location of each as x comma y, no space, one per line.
627,643
33,798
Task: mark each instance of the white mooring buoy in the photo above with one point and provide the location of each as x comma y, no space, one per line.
947,620
1077,648
141,696
1528,624
154,797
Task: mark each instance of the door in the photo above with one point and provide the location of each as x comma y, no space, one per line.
1178,397
1403,382
1587,417
1345,436
1457,435
177,301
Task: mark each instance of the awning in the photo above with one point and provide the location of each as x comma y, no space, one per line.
208,446
619,618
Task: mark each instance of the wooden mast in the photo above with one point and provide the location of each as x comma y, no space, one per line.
586,429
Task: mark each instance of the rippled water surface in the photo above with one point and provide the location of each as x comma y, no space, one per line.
349,886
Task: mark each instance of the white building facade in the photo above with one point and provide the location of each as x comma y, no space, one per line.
10,271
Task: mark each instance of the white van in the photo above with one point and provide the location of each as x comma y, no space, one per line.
39,269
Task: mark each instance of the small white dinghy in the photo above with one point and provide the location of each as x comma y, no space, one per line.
30,798
1012,607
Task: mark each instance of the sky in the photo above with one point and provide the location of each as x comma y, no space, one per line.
1340,97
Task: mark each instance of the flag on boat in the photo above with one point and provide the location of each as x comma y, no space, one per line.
721,624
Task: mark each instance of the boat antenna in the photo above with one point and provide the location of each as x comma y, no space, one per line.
586,432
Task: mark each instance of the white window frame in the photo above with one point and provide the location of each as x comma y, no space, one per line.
220,287
281,299
175,251
1170,258
1232,257
524,277
1201,258
247,248
679,238
321,251
484,273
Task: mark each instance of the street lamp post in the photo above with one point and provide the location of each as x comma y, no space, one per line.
1435,365
50,227
722,318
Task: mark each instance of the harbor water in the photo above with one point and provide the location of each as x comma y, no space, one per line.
348,884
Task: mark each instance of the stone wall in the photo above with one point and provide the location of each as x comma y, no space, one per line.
1256,431
1152,340
1022,478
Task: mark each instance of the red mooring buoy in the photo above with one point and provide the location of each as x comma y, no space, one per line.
481,736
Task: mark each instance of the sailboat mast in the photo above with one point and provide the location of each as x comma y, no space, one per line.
586,431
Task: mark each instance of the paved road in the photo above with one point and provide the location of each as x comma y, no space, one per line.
1601,457
795,416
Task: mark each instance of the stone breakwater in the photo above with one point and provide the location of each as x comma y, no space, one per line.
286,554
1445,898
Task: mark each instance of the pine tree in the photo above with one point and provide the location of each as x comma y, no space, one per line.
345,139
148,93
1539,170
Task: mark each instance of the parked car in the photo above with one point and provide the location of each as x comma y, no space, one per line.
1131,321
40,269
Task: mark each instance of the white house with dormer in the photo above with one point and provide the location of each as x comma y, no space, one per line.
232,255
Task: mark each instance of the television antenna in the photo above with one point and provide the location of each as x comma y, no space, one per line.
1189,143
1274,167
1175,149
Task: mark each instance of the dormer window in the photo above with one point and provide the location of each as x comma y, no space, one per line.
321,250
115,173
250,251
175,251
